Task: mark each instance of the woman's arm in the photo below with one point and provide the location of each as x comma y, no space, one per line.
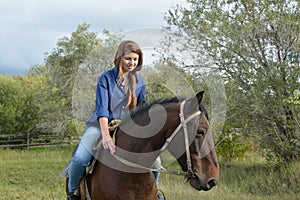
106,139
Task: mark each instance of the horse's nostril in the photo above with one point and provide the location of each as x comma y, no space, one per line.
212,183
200,132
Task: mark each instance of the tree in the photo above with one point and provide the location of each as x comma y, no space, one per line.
63,64
255,46
60,70
164,81
8,90
20,103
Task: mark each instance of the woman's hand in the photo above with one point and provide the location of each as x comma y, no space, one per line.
108,143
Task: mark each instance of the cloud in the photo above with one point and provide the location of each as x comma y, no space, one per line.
31,28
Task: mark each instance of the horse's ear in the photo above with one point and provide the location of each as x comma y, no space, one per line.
199,96
197,100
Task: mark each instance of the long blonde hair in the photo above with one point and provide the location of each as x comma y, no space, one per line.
125,47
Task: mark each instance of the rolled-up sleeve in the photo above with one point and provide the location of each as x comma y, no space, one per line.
102,97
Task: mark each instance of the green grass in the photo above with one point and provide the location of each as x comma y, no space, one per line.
34,174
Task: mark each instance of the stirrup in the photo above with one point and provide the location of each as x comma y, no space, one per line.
161,195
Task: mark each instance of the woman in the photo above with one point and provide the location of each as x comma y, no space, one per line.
118,90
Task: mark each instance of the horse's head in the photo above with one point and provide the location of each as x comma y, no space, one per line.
200,159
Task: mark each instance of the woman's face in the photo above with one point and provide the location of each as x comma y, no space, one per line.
130,61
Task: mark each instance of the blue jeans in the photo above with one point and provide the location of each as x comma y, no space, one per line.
82,157
156,174
84,154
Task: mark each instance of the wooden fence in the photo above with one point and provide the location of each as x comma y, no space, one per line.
27,140
38,135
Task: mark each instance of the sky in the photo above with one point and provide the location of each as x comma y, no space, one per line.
31,28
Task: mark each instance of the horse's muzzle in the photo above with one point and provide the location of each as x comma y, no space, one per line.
198,184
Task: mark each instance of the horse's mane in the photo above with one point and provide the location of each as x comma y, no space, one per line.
146,106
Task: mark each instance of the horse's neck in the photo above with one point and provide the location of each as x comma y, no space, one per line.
144,150
148,132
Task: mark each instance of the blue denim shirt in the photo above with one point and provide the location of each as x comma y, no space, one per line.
111,98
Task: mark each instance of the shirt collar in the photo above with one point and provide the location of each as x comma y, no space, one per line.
116,73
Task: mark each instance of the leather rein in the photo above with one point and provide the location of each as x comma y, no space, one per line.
183,124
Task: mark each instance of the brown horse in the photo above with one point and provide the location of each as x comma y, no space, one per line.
181,126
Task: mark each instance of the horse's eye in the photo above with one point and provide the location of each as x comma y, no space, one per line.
200,132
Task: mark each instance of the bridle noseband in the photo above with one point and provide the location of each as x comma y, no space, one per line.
183,124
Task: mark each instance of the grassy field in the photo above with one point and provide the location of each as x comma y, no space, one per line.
34,174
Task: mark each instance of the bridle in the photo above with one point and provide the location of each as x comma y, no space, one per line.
183,124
